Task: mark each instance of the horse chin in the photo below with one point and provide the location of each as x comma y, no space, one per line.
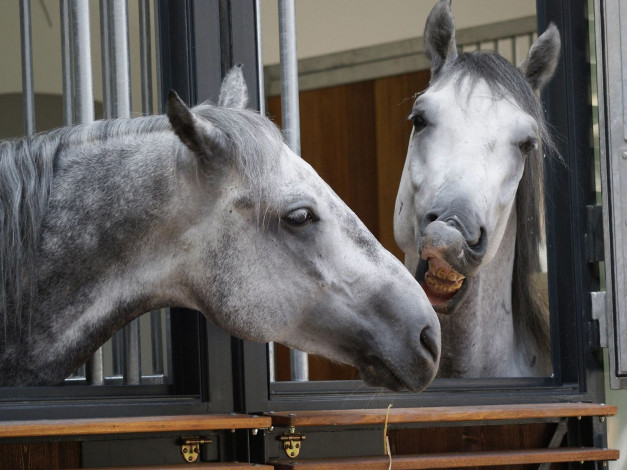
442,302
377,374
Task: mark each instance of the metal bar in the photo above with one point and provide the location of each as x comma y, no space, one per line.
95,368
145,58
120,78
132,354
262,98
156,341
290,113
158,61
117,353
82,86
81,41
28,91
66,62
289,75
105,49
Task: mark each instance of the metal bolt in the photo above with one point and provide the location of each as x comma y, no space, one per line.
292,429
271,428
624,155
602,418
190,458
255,431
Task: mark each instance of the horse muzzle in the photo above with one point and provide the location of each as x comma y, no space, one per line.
447,260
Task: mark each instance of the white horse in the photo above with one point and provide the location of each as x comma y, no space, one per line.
468,210
206,209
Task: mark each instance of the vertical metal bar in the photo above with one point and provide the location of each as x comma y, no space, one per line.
291,126
290,111
156,341
262,110
105,49
514,58
81,43
117,80
132,354
28,91
262,98
145,58
82,86
66,62
158,69
120,77
117,353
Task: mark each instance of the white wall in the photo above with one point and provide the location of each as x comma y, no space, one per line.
326,26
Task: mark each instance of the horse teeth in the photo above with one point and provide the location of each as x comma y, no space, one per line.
441,273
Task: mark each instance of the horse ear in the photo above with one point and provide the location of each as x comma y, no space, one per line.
543,57
439,36
233,91
202,138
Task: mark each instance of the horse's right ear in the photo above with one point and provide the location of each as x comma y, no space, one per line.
233,91
200,137
439,36
543,57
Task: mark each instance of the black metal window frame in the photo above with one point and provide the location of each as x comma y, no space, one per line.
577,359
199,42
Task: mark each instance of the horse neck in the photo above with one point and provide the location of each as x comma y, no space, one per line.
479,339
101,262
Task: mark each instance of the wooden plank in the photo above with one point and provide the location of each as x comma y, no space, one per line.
394,98
152,424
440,414
194,466
40,455
455,459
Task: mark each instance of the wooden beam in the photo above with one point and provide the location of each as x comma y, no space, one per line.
440,414
151,424
454,459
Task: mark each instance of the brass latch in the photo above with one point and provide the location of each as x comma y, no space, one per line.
190,448
291,442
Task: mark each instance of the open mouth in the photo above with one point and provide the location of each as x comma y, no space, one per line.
440,282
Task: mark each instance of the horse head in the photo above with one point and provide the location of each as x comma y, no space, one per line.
282,258
477,130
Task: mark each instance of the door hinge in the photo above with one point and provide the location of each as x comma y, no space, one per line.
292,442
190,447
599,315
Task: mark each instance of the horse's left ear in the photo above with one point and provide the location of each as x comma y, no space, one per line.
543,57
202,138
439,36
233,91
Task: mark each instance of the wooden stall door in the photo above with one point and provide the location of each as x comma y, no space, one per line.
356,136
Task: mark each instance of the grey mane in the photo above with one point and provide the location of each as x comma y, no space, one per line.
530,309
27,170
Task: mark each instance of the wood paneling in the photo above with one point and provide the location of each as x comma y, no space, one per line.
40,456
394,97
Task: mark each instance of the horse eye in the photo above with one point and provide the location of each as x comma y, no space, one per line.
527,146
299,217
419,121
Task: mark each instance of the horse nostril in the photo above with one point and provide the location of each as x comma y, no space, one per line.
428,218
481,241
428,341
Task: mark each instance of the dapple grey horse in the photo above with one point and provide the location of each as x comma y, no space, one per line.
468,212
206,209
